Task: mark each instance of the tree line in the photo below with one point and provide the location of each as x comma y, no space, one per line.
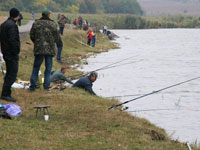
140,22
75,6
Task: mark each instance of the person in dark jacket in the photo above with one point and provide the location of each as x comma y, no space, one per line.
19,20
86,82
59,44
10,46
44,35
93,38
59,75
62,21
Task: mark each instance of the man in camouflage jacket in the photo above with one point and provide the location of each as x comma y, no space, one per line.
44,35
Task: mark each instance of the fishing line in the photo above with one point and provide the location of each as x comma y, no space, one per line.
165,109
174,85
106,66
110,68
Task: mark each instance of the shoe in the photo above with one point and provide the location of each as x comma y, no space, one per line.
8,98
31,89
59,61
47,89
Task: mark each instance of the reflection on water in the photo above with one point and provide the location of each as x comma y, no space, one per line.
162,58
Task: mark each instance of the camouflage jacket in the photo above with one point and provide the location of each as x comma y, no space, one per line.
44,35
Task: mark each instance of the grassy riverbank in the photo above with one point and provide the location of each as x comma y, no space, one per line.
77,119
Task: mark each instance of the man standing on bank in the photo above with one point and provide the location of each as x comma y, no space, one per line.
44,35
10,46
86,82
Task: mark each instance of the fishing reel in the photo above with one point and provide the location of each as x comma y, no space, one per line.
124,108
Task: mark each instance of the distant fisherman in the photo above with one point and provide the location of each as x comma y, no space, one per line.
93,37
86,82
59,75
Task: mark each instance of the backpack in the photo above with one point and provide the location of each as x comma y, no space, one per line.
13,110
3,113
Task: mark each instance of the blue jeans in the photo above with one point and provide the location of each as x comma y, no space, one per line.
59,53
36,67
93,41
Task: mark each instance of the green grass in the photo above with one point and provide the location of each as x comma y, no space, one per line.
78,120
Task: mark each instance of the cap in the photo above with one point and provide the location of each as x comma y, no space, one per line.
94,74
46,11
14,12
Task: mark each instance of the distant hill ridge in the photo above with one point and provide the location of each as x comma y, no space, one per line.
75,6
170,7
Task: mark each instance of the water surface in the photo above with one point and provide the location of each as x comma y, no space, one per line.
162,57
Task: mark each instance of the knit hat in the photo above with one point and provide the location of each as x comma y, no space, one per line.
46,11
14,12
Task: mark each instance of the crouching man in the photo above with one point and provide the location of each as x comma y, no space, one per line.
86,82
59,76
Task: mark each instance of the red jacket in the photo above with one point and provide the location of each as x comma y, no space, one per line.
89,35
74,22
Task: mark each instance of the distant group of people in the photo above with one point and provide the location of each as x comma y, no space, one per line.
80,23
44,35
110,34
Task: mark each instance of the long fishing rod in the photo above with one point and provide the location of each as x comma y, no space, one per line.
145,110
119,65
124,96
174,85
165,109
106,66
109,68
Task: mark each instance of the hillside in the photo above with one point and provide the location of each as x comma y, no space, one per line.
170,7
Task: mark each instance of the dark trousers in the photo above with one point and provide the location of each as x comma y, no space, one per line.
93,41
88,42
36,67
61,30
59,53
11,74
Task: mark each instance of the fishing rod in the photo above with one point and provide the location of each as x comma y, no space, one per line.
124,96
174,85
145,110
154,110
106,66
119,65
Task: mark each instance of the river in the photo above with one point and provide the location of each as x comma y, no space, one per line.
162,57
